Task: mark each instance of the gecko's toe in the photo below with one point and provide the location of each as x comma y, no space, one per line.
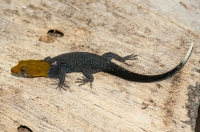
130,57
91,85
83,81
81,78
61,86
81,84
80,81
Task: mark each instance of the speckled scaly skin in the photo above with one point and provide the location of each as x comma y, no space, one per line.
89,63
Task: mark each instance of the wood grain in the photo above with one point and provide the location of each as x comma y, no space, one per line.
159,32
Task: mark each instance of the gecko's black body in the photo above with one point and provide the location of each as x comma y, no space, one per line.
89,63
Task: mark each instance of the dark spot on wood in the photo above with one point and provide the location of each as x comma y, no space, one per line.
162,65
55,33
171,102
184,5
193,104
24,129
197,70
197,128
159,85
145,105
151,101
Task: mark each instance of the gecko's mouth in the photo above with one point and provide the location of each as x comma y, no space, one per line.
19,74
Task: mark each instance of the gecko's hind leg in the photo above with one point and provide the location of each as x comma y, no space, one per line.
88,77
108,56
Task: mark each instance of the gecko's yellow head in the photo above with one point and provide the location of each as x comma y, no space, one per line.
31,68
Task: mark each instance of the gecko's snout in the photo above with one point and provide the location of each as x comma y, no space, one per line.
12,70
15,70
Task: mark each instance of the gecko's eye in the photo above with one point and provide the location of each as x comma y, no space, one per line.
23,69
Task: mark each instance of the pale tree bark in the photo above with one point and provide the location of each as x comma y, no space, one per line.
159,32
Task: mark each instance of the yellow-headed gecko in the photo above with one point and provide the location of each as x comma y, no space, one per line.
88,64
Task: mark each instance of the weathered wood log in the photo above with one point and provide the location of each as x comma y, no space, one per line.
159,32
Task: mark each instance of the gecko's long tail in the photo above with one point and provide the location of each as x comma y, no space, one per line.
130,76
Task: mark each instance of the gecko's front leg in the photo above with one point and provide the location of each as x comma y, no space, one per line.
56,72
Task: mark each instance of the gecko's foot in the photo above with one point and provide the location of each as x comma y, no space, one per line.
83,81
130,57
61,86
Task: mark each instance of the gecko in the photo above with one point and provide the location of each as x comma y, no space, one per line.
88,64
